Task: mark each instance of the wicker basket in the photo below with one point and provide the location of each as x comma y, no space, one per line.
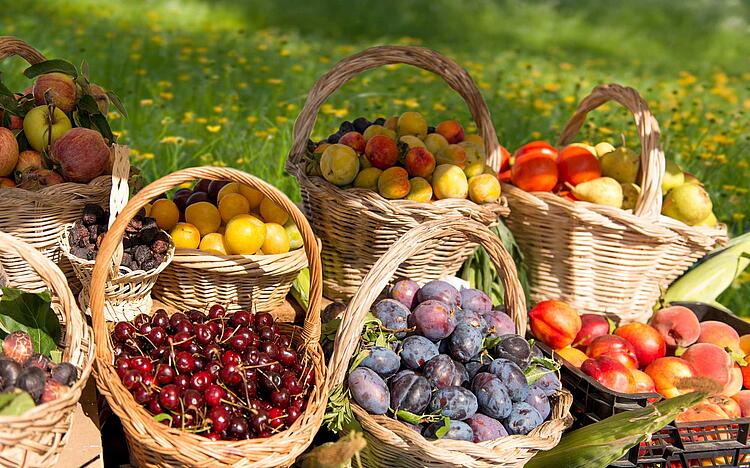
357,226
38,437
154,444
196,278
37,217
128,293
391,443
600,259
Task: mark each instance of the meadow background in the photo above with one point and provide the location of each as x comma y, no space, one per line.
221,82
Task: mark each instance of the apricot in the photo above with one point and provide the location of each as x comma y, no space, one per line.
534,172
374,130
452,154
339,164
368,178
381,151
449,181
743,400
643,383
647,342
420,190
720,334
734,384
391,123
354,140
412,123
451,130
669,373
592,326
576,165
419,162
411,141
476,168
609,373
572,355
435,142
555,323
484,188
473,154
678,326
476,139
709,361
393,183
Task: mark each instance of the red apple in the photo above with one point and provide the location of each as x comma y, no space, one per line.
81,153
611,344
8,152
555,323
29,159
678,326
35,179
610,373
592,326
59,87
646,341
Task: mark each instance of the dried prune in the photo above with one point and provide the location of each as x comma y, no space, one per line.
92,214
160,244
141,253
149,264
80,252
134,225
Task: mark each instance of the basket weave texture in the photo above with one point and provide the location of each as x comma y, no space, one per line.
38,217
36,438
154,444
601,259
357,226
390,442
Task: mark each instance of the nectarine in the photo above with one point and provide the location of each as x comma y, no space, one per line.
647,342
555,323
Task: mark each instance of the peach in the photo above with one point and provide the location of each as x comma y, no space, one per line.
745,344
451,130
449,181
643,382
393,183
368,178
374,130
412,123
592,326
670,375
381,151
572,355
420,190
609,373
734,384
452,154
678,326
339,164
729,406
81,153
354,140
720,334
8,152
435,142
419,162
646,341
709,361
743,400
704,411
29,159
555,323
5,182
58,87
484,188
411,141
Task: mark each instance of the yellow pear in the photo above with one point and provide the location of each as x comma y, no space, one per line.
688,203
710,221
603,148
630,194
602,191
673,176
588,148
691,179
622,164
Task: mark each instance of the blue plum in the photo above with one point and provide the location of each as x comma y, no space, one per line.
465,342
442,371
458,430
434,320
475,300
477,364
416,351
382,360
410,392
393,315
549,383
514,348
512,377
492,396
539,401
472,318
454,402
523,419
441,291
486,428
405,291
369,390
498,323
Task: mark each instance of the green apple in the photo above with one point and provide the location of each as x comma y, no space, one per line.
41,129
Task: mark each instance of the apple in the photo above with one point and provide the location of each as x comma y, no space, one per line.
592,326
81,153
29,159
59,87
8,152
610,373
40,130
646,340
101,98
35,179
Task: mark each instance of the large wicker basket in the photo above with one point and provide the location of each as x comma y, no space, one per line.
391,443
37,217
38,437
600,259
196,277
154,444
357,226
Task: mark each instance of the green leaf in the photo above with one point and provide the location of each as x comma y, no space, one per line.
85,69
88,104
408,416
23,311
117,103
329,330
163,417
56,356
50,66
301,288
103,127
444,428
15,403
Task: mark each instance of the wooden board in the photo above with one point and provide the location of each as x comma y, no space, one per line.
84,448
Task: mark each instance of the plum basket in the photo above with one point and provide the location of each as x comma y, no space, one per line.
722,443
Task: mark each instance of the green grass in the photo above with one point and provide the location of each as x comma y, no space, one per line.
221,82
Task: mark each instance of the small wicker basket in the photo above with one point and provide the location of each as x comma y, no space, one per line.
357,226
36,438
154,444
600,259
390,442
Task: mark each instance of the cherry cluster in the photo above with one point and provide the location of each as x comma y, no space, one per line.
224,375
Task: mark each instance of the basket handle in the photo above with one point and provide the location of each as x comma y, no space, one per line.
57,284
10,46
420,57
414,241
652,157
118,196
113,238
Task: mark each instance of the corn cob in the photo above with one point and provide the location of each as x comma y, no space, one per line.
600,444
713,275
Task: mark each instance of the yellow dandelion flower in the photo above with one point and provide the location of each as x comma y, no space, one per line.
291,106
536,135
242,85
218,109
134,152
113,116
261,134
251,119
341,112
135,56
187,117
297,68
192,142
439,106
148,155
203,60
201,120
274,81
167,96
743,164
280,119
186,185
284,53
324,59
728,187
223,120
141,72
398,102
213,128
242,60
566,66
146,102
262,46
551,87
327,109
183,77
273,130
569,99
484,84
411,103
738,216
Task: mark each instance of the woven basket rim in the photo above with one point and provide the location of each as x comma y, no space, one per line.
184,253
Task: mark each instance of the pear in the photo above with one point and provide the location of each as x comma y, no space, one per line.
630,194
710,221
588,148
688,203
621,164
603,148
602,191
691,179
673,176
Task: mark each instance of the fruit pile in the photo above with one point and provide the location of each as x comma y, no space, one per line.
145,246
672,355
452,366
606,175
39,145
403,158
226,218
224,375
